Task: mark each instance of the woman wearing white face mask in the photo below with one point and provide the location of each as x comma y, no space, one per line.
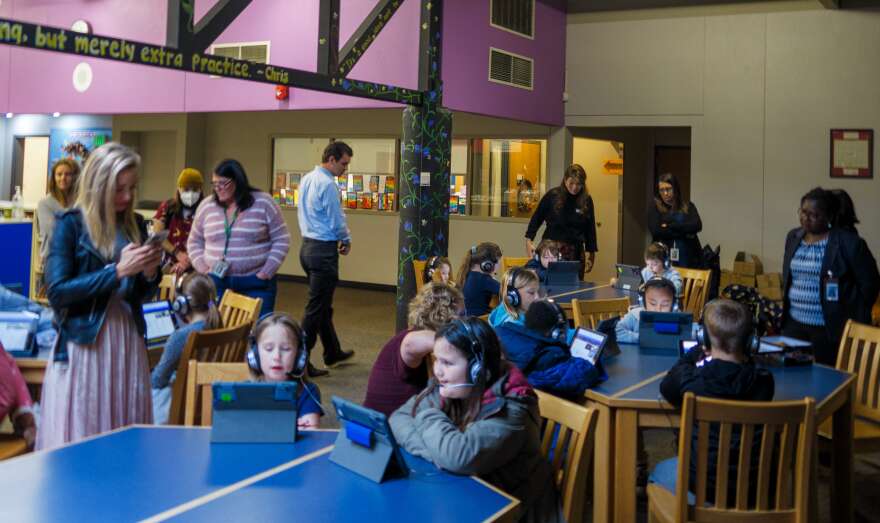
176,215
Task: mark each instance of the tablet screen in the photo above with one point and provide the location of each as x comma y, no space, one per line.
587,345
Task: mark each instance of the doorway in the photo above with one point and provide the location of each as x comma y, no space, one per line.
30,168
603,161
675,160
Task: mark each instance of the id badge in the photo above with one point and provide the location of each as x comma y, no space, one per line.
673,254
832,290
220,269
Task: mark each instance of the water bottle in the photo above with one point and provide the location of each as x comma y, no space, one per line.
17,205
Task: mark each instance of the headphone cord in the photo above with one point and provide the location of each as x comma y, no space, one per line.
309,392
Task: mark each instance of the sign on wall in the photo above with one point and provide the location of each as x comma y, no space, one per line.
76,144
852,153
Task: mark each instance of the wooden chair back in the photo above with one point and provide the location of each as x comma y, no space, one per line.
588,313
227,345
510,261
567,433
200,395
419,272
11,446
237,309
859,353
166,288
694,289
787,435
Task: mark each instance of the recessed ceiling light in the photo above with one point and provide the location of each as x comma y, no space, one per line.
56,114
9,115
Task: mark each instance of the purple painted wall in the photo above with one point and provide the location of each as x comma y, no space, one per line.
40,82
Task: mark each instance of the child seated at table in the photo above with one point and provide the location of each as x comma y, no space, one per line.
479,416
656,295
196,310
476,277
546,253
278,353
539,347
437,269
15,400
401,369
519,289
659,265
721,367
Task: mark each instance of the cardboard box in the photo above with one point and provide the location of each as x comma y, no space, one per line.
725,280
747,264
771,293
748,281
769,280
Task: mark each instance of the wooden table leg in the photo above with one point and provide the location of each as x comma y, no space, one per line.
603,470
842,461
627,435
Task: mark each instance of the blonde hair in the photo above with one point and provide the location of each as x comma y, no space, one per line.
435,305
729,324
486,251
294,330
97,193
202,295
65,199
521,278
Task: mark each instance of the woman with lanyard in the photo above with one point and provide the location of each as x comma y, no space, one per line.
570,217
675,222
239,237
828,277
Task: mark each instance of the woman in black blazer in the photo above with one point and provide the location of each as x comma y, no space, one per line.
675,222
829,276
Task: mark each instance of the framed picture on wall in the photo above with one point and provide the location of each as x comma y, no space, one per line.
852,153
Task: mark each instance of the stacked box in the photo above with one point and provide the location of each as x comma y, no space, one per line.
747,264
725,280
770,285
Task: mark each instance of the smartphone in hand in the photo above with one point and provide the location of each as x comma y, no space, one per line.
157,238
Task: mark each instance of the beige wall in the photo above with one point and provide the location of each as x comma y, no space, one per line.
760,89
206,139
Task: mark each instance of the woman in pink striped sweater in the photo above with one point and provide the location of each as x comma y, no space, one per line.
239,236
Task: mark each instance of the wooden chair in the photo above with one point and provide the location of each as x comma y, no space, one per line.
694,289
784,466
509,261
199,395
859,353
218,346
572,449
166,288
11,446
419,272
588,313
237,309
875,313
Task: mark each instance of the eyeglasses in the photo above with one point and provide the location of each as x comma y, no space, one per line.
808,215
666,190
221,184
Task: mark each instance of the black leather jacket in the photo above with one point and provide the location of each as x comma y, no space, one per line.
81,282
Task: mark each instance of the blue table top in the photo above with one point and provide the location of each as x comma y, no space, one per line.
588,291
134,473
632,366
320,490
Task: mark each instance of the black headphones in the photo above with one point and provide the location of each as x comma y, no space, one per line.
431,268
487,266
302,356
664,255
512,296
181,304
560,330
752,341
476,371
538,256
658,283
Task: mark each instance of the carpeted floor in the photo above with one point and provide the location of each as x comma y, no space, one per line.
365,321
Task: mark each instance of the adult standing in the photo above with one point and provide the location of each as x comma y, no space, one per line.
570,217
325,236
59,197
98,273
177,215
675,222
239,237
829,276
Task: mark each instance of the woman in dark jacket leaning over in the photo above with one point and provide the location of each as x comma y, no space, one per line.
675,222
570,217
828,276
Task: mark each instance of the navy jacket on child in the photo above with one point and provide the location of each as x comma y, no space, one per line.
479,289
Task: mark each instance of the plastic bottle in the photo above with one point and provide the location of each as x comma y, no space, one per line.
17,204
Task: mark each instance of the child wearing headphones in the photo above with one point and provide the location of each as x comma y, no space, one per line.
401,369
546,253
728,340
476,277
519,289
659,265
437,269
657,295
278,353
479,416
196,308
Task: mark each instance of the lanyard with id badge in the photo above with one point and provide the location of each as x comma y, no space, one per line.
832,288
221,267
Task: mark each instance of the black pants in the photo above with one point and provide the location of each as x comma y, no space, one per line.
320,260
824,350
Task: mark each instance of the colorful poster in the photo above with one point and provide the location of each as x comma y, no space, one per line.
374,184
76,144
357,183
366,200
352,200
389,184
280,180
